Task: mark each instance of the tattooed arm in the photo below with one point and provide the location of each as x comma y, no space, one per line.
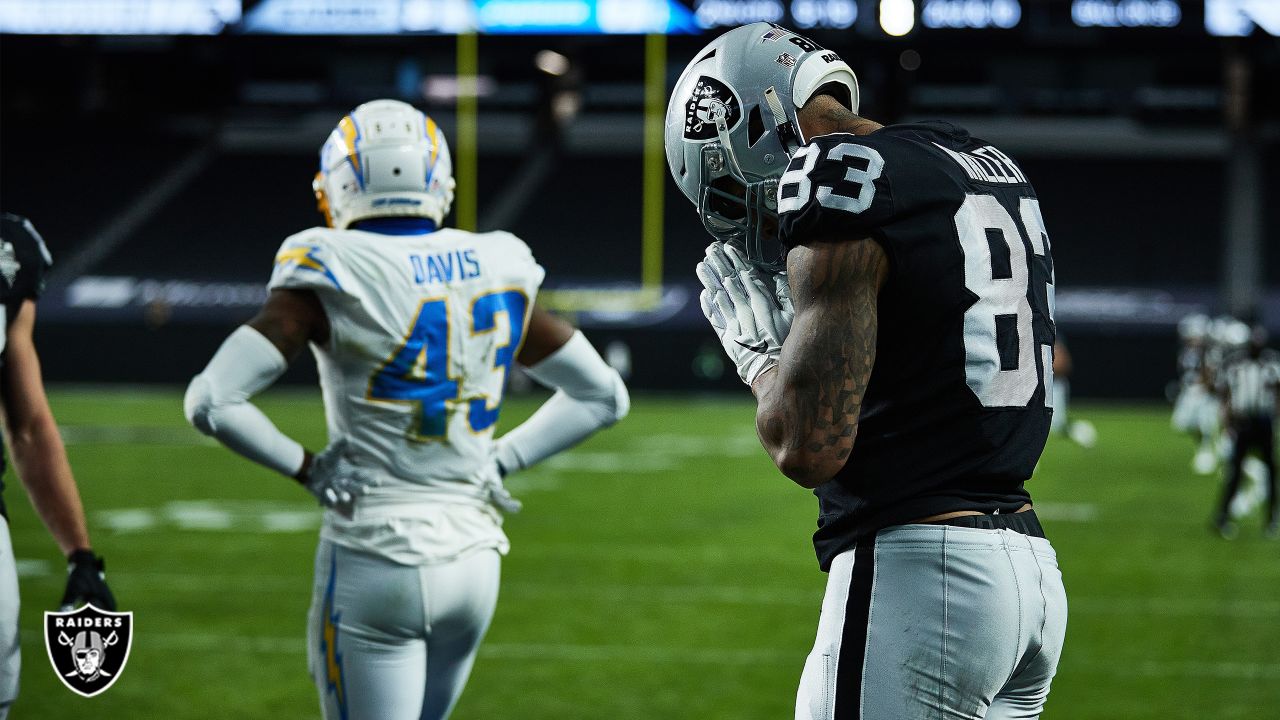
807,415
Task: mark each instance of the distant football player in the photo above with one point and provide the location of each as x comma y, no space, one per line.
1078,431
414,328
1195,411
908,385
38,455
1249,386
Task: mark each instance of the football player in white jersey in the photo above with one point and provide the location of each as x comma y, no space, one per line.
414,328
1195,410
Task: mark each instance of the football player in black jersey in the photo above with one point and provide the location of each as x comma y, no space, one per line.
905,377
38,455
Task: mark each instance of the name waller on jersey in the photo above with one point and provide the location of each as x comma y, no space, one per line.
987,164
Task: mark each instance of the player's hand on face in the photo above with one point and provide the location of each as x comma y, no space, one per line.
336,481
744,307
86,583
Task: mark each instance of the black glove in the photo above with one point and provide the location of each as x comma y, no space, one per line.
86,582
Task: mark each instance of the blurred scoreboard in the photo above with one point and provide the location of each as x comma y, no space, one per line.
884,18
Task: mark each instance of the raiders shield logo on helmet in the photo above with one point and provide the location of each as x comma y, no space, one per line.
88,647
699,118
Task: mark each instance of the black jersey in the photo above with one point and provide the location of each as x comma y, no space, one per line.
957,408
24,264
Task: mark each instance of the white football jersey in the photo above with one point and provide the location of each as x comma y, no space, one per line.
423,331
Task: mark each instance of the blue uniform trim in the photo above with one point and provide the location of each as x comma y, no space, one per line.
396,226
334,675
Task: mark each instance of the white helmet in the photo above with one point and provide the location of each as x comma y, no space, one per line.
385,159
733,114
1229,332
1194,327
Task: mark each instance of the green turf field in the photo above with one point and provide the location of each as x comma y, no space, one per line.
662,570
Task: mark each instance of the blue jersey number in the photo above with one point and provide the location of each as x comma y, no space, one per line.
484,318
418,372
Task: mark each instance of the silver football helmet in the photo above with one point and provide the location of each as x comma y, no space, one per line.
732,127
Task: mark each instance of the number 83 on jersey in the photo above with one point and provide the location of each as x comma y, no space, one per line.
999,331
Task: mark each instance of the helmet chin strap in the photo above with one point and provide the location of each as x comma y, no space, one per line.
788,132
759,195
719,113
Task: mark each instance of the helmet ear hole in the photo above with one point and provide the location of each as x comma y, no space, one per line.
755,126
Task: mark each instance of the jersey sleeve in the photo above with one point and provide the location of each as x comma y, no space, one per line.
836,187
307,261
27,249
519,261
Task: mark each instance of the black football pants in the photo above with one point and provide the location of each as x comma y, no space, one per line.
1251,433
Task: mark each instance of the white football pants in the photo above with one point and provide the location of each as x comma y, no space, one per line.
10,659
387,641
931,621
1195,411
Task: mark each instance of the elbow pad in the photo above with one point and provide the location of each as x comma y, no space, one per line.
578,370
217,401
197,404
589,396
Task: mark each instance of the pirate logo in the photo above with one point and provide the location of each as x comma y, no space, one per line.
88,647
9,264
709,96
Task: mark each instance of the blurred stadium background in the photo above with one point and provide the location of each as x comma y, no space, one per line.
164,148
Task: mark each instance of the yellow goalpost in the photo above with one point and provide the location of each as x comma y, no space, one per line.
649,293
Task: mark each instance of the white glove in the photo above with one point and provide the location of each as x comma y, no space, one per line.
782,292
336,482
489,478
743,306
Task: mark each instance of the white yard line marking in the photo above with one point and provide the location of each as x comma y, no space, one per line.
612,463
1175,606
641,653
28,567
1241,671
133,435
669,594
538,479
213,516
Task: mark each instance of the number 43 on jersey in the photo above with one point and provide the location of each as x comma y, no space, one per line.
418,372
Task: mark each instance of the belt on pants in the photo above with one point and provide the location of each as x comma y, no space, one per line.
1024,522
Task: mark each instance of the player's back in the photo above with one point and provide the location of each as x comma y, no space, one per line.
423,330
956,411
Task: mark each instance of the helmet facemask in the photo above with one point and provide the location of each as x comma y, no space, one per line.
738,208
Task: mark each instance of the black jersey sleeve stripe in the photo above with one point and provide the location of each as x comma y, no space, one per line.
853,641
